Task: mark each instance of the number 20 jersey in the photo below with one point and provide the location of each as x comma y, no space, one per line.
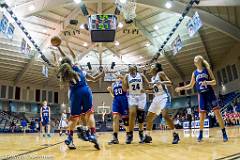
135,84
117,89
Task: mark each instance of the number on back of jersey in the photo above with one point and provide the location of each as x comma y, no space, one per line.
118,91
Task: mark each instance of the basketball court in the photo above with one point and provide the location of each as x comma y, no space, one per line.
29,145
77,77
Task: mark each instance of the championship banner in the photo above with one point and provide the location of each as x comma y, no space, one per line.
177,45
45,71
3,24
10,31
196,124
194,24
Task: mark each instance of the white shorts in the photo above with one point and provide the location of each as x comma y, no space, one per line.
138,100
159,103
63,124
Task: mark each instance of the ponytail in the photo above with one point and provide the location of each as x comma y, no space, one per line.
204,62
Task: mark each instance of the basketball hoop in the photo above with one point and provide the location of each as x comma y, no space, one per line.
103,110
128,8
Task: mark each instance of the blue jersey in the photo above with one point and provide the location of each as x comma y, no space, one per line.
117,89
82,78
45,112
200,77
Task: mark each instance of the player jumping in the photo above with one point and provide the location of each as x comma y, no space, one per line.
80,99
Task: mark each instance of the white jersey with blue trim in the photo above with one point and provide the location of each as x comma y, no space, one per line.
159,89
135,84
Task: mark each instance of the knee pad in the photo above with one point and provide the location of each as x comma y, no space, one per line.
140,116
125,121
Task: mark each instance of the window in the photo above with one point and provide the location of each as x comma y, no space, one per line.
224,74
37,95
44,95
55,97
235,73
17,93
50,96
10,92
3,91
229,72
219,77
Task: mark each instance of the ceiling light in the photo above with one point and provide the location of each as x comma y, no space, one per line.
77,1
85,44
156,27
168,5
31,8
44,31
147,44
82,26
141,57
116,43
123,1
60,59
120,25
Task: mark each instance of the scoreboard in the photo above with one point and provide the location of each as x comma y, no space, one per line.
102,27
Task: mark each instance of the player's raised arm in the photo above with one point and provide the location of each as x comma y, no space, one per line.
71,51
95,78
165,79
125,85
109,88
61,51
187,87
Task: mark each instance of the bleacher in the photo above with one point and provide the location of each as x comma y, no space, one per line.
228,100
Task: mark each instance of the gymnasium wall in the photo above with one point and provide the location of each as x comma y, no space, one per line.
230,58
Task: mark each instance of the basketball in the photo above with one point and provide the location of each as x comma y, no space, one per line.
56,41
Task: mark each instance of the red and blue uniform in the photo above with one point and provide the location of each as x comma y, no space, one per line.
80,95
206,96
120,100
45,115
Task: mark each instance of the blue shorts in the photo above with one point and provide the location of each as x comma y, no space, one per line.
45,121
81,100
207,101
120,106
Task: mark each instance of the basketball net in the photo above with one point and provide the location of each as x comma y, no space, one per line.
128,8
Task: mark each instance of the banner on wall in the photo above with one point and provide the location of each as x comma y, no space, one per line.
194,24
28,49
177,45
6,27
3,24
196,124
23,45
10,31
45,71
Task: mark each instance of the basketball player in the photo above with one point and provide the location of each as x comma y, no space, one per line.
80,99
161,102
133,82
63,124
119,107
45,113
204,79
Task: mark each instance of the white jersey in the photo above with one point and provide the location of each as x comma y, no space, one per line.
64,116
158,89
135,84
